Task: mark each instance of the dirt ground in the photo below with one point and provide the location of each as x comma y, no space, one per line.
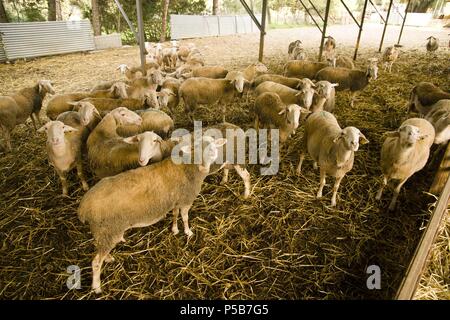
281,243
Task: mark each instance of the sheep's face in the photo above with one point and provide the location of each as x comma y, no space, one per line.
87,112
123,68
45,86
151,99
306,95
409,135
124,116
163,99
156,77
293,115
149,144
442,127
239,82
120,90
210,148
55,132
351,137
325,88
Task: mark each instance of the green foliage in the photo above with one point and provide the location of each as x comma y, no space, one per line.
26,10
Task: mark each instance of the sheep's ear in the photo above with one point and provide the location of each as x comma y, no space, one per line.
363,139
305,111
392,134
69,129
335,140
282,112
220,142
335,84
131,140
73,103
44,128
428,38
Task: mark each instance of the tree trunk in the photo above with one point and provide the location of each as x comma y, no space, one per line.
96,18
58,10
51,10
3,14
269,17
215,7
164,21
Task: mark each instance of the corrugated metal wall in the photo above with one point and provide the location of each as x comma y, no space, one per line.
35,39
192,26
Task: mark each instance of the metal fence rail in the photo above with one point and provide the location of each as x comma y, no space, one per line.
193,26
35,39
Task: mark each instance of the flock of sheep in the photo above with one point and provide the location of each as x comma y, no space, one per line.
120,129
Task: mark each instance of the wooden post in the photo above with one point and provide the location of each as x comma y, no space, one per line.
324,29
140,20
263,30
442,174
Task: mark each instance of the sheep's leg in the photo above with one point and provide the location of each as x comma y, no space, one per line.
352,98
337,183
243,173
101,256
380,192
38,120
225,176
315,166
323,177
81,176
63,177
224,112
300,162
175,213
256,125
396,193
185,217
7,138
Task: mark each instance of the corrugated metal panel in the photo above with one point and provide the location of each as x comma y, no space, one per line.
108,41
2,52
35,39
192,26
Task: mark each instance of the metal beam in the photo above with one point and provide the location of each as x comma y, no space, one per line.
263,30
360,29
351,14
252,15
127,19
385,25
376,9
325,23
403,24
140,20
311,16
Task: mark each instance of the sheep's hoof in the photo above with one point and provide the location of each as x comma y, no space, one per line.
333,203
85,186
378,196
175,231
392,207
189,233
97,290
319,195
246,194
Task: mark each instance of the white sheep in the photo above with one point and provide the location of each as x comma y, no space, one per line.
404,152
302,97
324,97
142,197
332,148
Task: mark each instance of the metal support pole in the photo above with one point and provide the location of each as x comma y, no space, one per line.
140,21
385,25
311,16
127,19
263,30
315,9
403,24
376,9
360,29
350,13
251,14
324,30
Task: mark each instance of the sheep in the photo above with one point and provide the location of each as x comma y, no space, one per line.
404,152
108,154
432,44
330,44
351,79
390,55
231,133
108,84
142,197
424,95
330,57
293,83
303,69
170,57
293,45
196,91
168,96
345,62
213,72
152,120
134,73
439,117
61,103
324,98
302,97
145,88
88,114
271,111
299,54
249,73
331,147
64,146
184,51
17,108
